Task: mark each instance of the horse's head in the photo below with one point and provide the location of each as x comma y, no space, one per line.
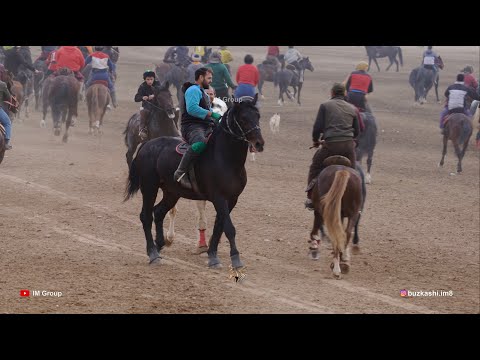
306,64
244,121
164,101
439,62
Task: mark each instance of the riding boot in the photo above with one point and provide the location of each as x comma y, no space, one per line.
188,160
308,202
143,133
8,146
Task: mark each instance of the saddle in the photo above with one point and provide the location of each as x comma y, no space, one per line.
337,160
100,82
291,67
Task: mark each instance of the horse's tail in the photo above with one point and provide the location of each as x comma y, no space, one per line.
133,181
125,132
465,131
400,56
332,208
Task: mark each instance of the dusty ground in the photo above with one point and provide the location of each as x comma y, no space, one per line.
64,228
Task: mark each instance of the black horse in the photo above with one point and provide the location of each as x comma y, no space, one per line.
374,52
367,141
267,71
422,80
220,175
41,66
286,77
162,121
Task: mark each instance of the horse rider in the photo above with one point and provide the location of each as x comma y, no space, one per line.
145,94
429,60
194,66
200,50
456,95
71,57
247,78
5,95
51,63
46,50
339,123
272,56
469,79
292,58
226,57
358,85
198,119
102,66
218,105
14,59
221,77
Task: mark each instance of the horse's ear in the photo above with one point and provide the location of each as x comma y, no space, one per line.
255,98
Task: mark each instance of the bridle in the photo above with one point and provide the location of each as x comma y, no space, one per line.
230,116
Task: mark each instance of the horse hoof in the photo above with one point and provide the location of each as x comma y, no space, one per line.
314,255
201,249
337,276
368,179
64,139
345,268
42,124
355,249
155,261
169,241
215,266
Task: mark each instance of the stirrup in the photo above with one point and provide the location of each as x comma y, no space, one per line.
143,133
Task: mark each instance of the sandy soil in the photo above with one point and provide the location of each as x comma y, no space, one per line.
64,228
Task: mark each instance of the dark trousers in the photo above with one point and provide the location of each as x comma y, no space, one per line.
193,133
344,148
357,99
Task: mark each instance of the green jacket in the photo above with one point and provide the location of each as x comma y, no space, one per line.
221,77
4,95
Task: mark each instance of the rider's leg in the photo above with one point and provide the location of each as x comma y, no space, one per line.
7,124
143,133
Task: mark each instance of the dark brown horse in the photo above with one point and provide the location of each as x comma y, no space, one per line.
98,97
17,91
2,143
374,52
62,97
336,195
458,129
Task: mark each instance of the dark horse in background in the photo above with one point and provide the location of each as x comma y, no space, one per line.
267,72
220,175
25,77
422,80
458,129
367,140
286,77
62,97
163,121
41,66
374,52
174,75
336,195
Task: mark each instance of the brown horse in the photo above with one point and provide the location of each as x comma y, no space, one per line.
336,195
62,97
98,97
2,143
458,128
17,91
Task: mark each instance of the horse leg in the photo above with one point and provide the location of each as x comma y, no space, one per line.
376,63
202,226
444,151
368,177
314,241
459,155
345,256
160,211
260,86
67,119
280,95
149,195
221,209
436,88
299,90
172,214
391,63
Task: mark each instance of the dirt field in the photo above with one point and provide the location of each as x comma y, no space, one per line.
64,228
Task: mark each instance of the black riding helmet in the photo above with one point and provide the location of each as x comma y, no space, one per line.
148,73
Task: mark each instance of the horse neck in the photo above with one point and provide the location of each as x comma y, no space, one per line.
161,125
231,151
